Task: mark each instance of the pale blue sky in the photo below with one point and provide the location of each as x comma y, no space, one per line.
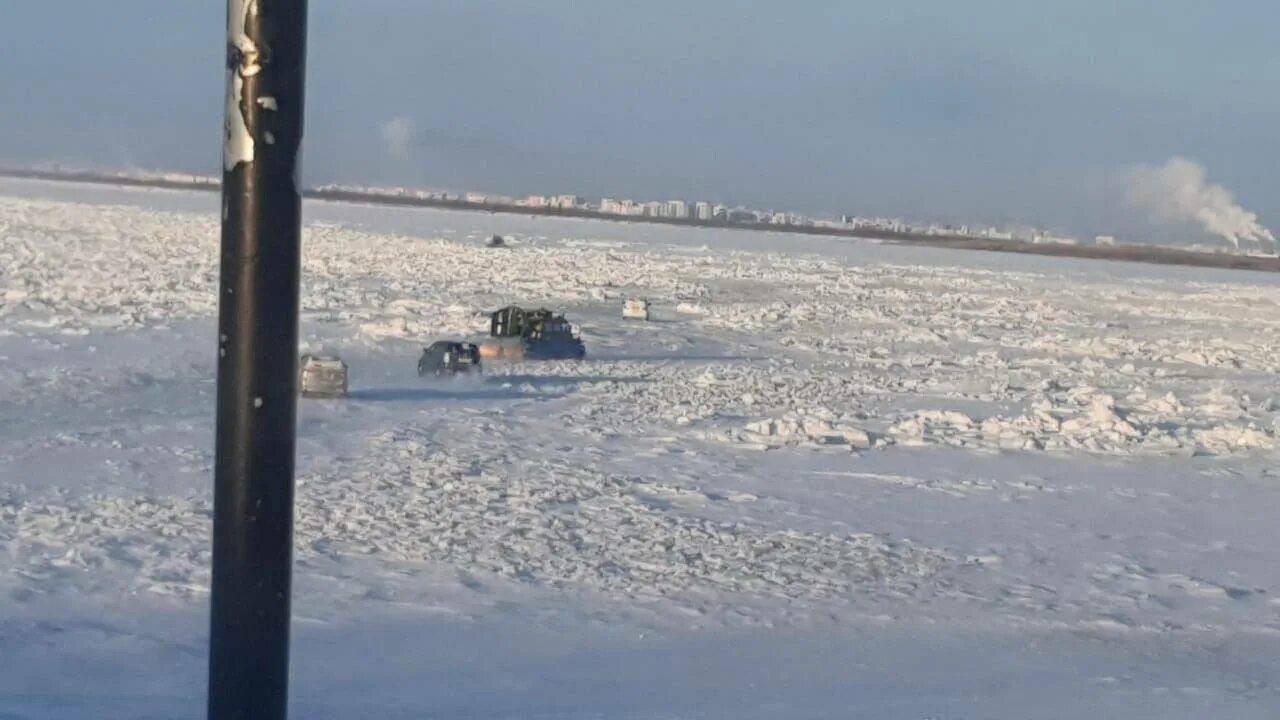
980,110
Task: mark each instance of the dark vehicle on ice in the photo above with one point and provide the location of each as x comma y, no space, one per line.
448,357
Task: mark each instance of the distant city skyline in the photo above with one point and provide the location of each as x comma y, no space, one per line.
985,111
679,210
705,210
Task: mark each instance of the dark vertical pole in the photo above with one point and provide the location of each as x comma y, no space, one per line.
257,361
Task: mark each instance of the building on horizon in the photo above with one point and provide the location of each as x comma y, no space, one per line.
614,207
566,201
703,210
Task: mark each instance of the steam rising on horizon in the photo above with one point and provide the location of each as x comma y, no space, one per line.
396,134
1179,192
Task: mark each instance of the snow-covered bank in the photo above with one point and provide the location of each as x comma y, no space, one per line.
434,666
817,451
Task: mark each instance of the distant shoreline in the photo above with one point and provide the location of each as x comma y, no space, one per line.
1121,253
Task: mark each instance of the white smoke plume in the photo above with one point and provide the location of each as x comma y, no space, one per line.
396,134
1179,192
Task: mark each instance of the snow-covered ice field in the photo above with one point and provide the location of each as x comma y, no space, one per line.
829,479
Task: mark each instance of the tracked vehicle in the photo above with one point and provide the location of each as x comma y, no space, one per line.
519,334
